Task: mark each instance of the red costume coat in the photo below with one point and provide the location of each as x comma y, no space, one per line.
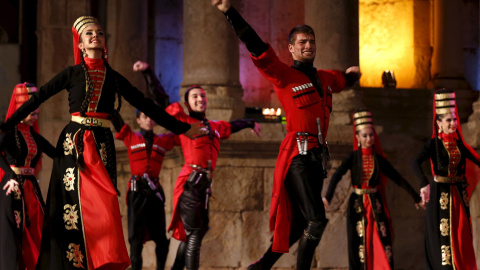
140,161
302,105
197,152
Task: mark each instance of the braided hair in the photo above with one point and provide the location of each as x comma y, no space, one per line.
440,166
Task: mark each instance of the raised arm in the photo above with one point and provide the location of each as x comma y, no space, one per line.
154,86
52,87
244,31
47,147
155,112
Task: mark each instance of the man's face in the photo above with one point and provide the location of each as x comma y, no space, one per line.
145,122
197,100
304,48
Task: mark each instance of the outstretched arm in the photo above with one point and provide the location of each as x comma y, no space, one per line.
393,174
244,31
336,177
155,88
237,125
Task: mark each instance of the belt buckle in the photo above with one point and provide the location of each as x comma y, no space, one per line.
91,122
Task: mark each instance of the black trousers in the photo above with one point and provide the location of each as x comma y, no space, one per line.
304,183
146,214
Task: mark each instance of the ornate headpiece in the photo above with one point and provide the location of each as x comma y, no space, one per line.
445,102
77,29
362,119
21,93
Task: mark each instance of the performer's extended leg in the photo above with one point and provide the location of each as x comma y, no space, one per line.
179,262
157,230
304,184
296,230
194,215
136,228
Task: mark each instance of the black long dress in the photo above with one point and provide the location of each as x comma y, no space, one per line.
448,237
21,214
368,220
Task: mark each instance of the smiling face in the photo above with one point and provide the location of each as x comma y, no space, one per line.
144,122
197,100
447,123
304,48
366,137
31,118
92,38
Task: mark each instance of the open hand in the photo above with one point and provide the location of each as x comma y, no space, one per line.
196,130
10,186
222,5
425,194
326,204
140,66
354,69
256,129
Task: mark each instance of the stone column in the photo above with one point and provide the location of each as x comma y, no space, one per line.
447,62
210,59
336,34
55,52
127,32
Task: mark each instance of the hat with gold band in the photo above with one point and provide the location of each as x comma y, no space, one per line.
23,92
362,119
445,102
83,22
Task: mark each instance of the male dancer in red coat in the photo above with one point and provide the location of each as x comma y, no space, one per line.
296,209
192,188
145,196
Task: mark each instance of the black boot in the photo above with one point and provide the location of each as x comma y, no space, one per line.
179,263
192,254
267,261
308,243
162,251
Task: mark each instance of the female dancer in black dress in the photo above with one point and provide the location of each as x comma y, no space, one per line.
448,231
369,225
22,205
82,227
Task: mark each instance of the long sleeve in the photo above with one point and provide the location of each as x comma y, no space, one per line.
155,88
337,176
245,32
150,109
52,87
421,157
46,146
237,125
390,172
3,161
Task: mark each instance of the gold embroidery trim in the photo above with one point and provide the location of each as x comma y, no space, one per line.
359,228
443,200
69,179
444,227
70,217
68,144
361,253
446,255
74,254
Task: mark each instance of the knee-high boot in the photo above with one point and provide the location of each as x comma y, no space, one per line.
308,243
179,262
192,254
162,252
